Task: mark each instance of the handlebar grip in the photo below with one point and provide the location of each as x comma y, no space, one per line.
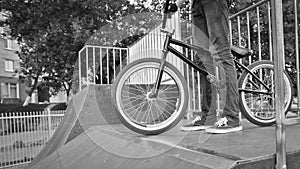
166,9
165,16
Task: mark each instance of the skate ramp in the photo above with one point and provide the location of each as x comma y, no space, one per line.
116,147
91,136
106,148
83,112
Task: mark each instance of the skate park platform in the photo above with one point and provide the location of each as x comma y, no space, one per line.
91,136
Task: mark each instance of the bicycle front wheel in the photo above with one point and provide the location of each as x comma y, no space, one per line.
257,103
142,113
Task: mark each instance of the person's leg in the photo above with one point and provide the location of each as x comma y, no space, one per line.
208,91
208,99
200,38
216,13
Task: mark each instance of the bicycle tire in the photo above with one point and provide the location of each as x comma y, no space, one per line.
258,108
130,90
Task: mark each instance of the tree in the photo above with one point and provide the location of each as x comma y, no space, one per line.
50,34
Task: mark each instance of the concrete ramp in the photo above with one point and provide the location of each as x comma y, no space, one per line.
107,148
83,112
115,147
91,137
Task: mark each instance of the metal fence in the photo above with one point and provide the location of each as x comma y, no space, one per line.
249,28
270,28
252,28
24,134
100,64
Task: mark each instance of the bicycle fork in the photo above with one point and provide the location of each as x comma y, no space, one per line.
163,59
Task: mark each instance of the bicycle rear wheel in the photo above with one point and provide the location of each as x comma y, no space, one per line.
257,106
138,111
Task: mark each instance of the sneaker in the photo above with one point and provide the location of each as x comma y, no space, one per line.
197,124
225,125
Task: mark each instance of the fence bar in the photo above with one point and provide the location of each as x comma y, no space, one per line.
270,32
2,132
79,70
114,63
49,120
121,52
230,31
258,33
248,34
297,54
22,129
107,66
87,65
11,140
94,65
101,65
278,43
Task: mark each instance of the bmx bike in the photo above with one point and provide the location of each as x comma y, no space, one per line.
151,95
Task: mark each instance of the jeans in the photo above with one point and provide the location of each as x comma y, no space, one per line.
211,31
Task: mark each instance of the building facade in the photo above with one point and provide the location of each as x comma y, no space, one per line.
11,90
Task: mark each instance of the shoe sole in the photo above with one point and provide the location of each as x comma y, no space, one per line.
194,128
223,131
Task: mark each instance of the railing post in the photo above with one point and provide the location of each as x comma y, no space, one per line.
49,120
278,50
79,70
297,54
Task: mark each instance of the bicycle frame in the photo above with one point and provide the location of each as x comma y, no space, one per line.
255,77
168,48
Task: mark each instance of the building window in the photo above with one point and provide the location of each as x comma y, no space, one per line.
8,44
9,65
9,90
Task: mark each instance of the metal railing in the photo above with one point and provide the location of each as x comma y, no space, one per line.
100,64
24,134
251,28
263,28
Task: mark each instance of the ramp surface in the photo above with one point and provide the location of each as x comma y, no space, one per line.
91,137
115,147
83,112
106,148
